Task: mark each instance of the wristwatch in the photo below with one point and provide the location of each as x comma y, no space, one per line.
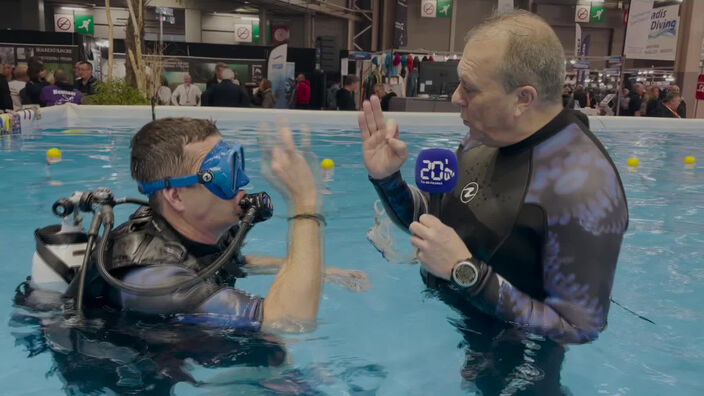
465,273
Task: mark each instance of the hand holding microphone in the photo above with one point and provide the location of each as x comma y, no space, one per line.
439,246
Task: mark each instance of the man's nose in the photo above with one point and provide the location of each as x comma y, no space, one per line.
457,98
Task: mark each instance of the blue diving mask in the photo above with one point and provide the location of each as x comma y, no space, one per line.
221,172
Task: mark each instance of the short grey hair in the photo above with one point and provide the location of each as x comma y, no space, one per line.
534,54
228,74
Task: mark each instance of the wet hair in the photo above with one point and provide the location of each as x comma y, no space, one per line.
158,149
534,54
350,79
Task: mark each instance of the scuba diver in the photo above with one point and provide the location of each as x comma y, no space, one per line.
141,298
177,256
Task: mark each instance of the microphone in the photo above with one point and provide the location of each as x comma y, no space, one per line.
436,174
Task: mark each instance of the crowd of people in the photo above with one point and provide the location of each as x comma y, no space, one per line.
638,101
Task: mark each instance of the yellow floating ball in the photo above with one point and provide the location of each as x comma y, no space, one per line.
53,155
327,164
689,160
633,162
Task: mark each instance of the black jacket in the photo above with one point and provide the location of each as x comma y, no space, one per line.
87,88
345,100
211,83
32,91
228,94
5,98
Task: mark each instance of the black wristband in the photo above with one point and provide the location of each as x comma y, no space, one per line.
311,216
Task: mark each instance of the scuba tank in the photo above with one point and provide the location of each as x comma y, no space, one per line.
60,248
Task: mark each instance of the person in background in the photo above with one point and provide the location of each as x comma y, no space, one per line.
384,97
332,95
580,96
163,94
5,96
7,71
264,97
17,85
76,72
682,108
635,100
87,82
186,94
652,101
62,91
668,108
33,89
217,77
345,95
227,93
302,92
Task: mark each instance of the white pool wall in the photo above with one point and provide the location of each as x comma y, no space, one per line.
75,116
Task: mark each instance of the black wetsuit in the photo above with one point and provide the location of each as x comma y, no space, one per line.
546,214
147,251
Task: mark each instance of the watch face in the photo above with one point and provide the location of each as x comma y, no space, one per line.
465,274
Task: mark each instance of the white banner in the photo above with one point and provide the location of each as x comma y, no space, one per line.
63,23
662,36
577,39
428,8
504,6
639,16
276,73
243,32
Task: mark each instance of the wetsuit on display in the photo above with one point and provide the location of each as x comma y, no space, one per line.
146,251
546,215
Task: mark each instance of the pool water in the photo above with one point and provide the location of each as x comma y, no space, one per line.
394,339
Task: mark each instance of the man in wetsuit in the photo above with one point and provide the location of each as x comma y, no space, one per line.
532,231
194,180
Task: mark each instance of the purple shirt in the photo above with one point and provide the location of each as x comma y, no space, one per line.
53,95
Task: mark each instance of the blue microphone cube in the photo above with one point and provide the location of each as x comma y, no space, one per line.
436,171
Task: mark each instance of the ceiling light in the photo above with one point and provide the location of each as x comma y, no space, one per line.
74,9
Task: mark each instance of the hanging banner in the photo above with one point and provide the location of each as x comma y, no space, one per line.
401,24
243,33
577,39
504,6
583,73
63,23
700,87
662,37
276,72
279,34
428,8
639,16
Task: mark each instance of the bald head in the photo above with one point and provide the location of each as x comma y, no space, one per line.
529,51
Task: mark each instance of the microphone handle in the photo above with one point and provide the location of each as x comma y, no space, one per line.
435,204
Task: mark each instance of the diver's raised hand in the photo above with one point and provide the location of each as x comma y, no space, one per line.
285,167
383,151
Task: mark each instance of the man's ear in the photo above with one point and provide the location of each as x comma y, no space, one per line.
526,97
172,198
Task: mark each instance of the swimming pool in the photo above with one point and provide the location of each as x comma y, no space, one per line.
394,339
